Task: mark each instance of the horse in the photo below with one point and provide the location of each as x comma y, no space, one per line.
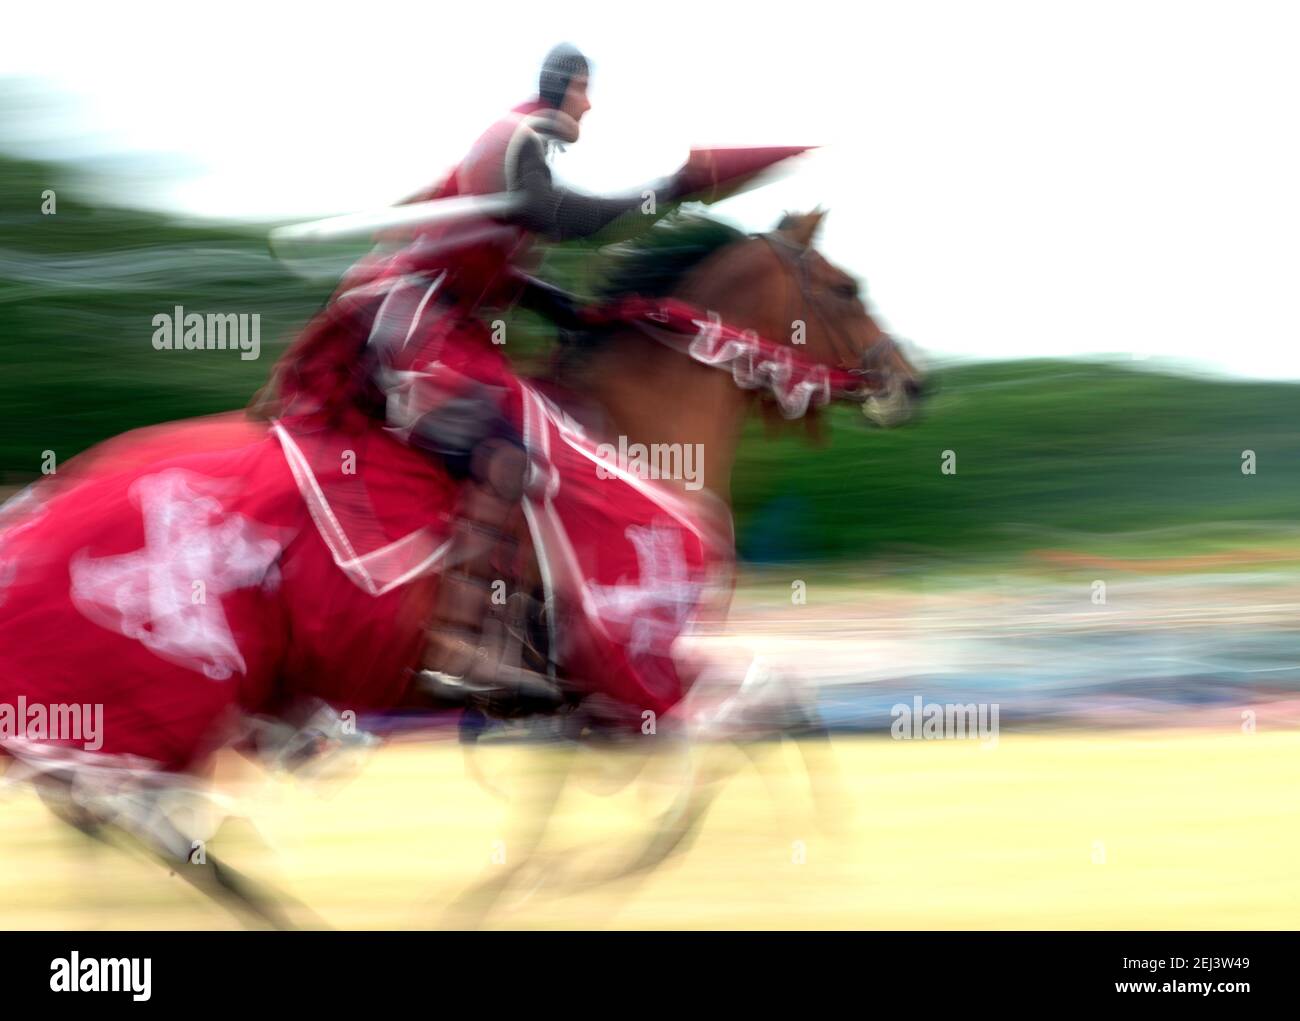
192,575
774,284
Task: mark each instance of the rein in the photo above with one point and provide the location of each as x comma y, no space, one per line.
786,250
755,363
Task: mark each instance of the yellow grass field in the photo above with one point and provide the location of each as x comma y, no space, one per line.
1119,830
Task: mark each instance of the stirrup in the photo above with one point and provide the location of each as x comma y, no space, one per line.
518,689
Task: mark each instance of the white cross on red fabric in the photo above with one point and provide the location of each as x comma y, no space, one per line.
661,599
151,594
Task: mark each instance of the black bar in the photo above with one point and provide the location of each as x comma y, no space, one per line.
571,972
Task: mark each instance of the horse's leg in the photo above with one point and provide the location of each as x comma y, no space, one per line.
253,903
729,725
767,706
246,899
825,779
266,904
472,908
714,763
161,841
678,826
811,738
771,704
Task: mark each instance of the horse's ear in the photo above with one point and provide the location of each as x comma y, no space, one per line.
802,228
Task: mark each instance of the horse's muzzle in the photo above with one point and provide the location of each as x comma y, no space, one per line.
897,403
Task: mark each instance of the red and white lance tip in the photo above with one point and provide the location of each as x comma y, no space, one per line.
734,162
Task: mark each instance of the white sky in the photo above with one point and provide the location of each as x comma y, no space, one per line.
1010,178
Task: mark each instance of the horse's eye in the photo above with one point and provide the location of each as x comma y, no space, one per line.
849,291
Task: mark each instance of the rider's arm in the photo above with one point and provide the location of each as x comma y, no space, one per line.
559,214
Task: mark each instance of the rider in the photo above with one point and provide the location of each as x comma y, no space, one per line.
428,364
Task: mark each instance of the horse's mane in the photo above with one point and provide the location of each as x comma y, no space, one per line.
654,263
651,265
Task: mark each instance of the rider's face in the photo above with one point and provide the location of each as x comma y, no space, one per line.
575,100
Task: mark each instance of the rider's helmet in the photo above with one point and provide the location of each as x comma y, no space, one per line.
561,66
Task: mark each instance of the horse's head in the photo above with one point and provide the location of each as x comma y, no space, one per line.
776,287
818,307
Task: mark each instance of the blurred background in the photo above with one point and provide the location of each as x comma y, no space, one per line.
1083,219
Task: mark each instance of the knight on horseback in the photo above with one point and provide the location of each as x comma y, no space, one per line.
405,329
189,576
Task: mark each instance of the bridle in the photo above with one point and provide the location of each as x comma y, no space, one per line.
795,379
871,363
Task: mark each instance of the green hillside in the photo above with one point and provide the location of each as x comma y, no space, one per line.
1046,444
